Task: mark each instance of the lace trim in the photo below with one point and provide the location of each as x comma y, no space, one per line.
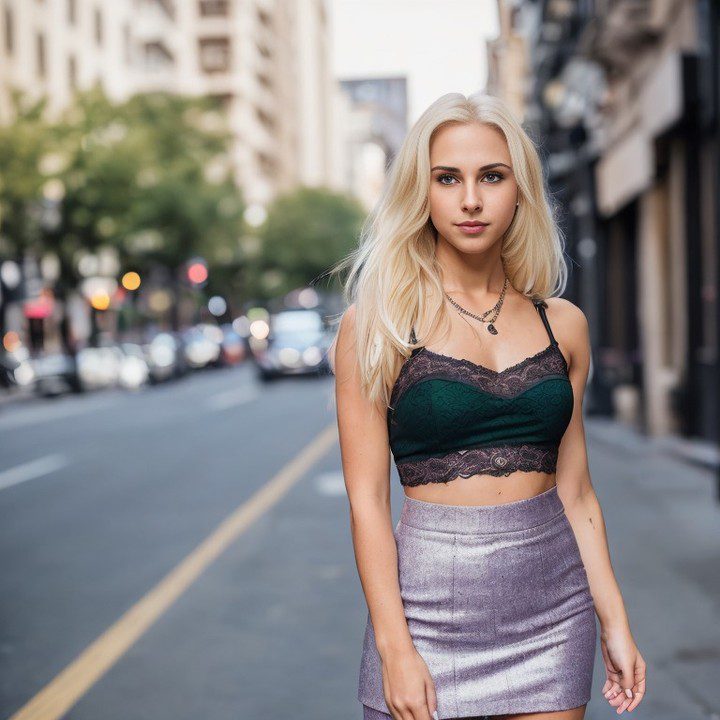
498,460
507,382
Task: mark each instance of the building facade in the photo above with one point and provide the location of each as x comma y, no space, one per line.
267,61
623,99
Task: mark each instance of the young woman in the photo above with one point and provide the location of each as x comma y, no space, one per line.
457,355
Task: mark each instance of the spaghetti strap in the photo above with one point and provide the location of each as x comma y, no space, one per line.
540,306
413,339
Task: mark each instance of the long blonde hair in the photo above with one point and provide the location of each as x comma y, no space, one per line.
394,279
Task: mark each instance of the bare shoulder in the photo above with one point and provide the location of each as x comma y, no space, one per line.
570,327
566,312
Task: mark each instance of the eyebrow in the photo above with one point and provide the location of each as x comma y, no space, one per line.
457,170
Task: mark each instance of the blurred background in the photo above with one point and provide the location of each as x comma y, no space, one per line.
176,179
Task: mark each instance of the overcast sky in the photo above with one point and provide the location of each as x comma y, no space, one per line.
438,44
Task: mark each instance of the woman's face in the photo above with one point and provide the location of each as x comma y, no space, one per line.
471,180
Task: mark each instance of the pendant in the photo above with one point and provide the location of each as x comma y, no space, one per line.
491,329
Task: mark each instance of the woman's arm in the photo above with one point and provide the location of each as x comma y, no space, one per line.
365,456
626,668
574,484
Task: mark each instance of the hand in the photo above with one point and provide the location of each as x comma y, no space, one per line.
408,687
625,669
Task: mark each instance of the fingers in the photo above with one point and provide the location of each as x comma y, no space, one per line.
639,686
617,694
416,709
431,699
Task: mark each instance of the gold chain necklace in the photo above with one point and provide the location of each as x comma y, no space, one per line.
494,309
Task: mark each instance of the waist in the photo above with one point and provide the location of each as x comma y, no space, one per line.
506,517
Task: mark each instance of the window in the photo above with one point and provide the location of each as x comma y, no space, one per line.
9,31
264,17
223,101
214,55
127,43
267,164
264,50
267,121
168,7
157,56
98,26
264,80
214,8
40,55
72,72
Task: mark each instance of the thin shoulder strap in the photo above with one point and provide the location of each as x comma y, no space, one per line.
413,339
540,306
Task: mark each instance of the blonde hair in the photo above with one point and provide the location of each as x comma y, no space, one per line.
394,279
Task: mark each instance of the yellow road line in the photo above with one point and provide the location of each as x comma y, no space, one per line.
66,688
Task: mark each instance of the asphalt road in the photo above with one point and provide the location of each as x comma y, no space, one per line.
102,496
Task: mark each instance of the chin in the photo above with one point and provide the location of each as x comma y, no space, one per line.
468,244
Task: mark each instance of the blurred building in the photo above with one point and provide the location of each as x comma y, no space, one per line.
376,117
267,61
623,98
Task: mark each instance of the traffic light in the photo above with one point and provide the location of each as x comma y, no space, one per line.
197,272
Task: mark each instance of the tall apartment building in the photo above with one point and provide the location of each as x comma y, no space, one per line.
267,60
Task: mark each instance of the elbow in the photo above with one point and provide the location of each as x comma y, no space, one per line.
577,491
368,506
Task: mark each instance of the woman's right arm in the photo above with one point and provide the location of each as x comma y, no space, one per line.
365,456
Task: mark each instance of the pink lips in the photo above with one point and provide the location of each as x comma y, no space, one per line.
472,227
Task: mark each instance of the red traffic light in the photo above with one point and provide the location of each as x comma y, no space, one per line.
197,273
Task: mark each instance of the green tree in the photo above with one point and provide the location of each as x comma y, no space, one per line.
23,143
306,232
149,177
23,211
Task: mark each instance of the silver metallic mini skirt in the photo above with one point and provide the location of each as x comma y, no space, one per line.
498,605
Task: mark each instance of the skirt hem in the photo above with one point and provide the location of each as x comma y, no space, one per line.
478,710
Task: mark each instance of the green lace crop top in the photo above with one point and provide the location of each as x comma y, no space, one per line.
450,417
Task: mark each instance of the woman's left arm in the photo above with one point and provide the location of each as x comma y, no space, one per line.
625,667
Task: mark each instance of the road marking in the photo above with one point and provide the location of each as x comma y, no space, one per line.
66,688
31,470
332,483
225,400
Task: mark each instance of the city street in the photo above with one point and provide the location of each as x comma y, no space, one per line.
102,496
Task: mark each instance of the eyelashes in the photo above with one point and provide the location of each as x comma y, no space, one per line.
446,175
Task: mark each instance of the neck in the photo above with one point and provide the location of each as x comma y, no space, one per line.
475,276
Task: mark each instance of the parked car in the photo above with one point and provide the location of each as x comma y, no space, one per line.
297,345
54,373
15,369
202,345
232,348
100,367
134,371
165,357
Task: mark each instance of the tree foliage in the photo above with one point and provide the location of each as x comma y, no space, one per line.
306,232
22,146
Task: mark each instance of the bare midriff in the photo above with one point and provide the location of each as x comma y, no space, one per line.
483,489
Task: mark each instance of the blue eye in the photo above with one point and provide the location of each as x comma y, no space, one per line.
440,178
498,175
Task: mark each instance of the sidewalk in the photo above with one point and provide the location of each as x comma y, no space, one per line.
663,524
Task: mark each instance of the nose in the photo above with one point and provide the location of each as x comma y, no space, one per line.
471,200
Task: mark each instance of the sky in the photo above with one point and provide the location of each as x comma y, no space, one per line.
438,44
